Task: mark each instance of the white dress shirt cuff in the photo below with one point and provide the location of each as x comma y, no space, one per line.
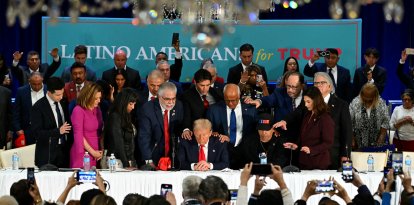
178,55
401,61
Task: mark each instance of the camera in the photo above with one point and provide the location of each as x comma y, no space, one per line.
165,188
323,53
30,176
347,174
397,163
324,186
86,176
261,169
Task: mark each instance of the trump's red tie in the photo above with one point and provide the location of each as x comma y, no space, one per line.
201,154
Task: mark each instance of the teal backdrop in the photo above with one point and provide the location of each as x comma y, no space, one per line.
273,41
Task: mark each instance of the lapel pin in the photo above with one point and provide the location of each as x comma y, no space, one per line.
214,150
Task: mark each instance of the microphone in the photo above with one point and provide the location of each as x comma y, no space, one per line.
290,167
173,154
48,166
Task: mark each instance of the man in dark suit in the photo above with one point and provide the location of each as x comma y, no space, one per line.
154,80
164,67
49,118
26,97
80,56
232,121
78,82
197,99
219,86
204,152
33,63
133,78
340,75
177,67
370,73
5,116
339,111
246,57
159,124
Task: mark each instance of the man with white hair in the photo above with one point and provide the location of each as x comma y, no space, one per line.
164,67
190,190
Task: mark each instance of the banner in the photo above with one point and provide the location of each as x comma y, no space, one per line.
273,41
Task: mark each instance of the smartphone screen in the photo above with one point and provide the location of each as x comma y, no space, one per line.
261,169
347,167
165,188
324,186
30,175
397,163
409,51
86,176
175,38
233,196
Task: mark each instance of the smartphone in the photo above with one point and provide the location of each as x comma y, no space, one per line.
175,38
397,163
347,174
86,176
165,188
409,51
323,53
233,196
386,170
30,176
259,78
324,186
261,169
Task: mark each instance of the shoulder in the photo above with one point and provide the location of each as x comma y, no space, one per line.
235,67
132,70
78,109
108,71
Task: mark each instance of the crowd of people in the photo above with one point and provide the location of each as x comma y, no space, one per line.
158,125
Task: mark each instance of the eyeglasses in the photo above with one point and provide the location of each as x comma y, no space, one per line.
292,87
169,99
232,101
321,83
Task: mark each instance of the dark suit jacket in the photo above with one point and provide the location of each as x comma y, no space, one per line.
343,85
44,129
176,69
21,112
151,129
339,111
179,88
217,153
132,75
360,78
194,106
234,74
70,90
406,79
318,135
67,76
5,114
280,101
45,69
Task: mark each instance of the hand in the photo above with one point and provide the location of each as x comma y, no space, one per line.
17,55
170,197
245,174
244,77
357,180
289,145
176,45
305,149
248,100
406,182
97,154
65,128
34,192
262,84
187,134
404,56
54,52
277,175
99,182
342,192
390,180
72,182
344,159
202,166
281,124
309,190
314,58
224,138
381,139
259,183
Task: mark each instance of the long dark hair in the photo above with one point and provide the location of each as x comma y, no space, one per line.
319,106
120,104
286,63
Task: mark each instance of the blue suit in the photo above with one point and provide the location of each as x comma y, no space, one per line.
21,112
217,153
343,84
151,129
280,101
217,114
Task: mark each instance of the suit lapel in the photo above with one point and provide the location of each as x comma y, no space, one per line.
223,116
49,111
158,113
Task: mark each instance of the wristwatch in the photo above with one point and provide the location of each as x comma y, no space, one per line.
148,161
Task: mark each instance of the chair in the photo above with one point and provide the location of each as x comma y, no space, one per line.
25,153
1,165
359,160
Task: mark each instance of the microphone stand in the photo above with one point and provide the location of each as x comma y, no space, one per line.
290,167
173,154
48,166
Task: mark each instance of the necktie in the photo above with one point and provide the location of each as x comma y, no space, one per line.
332,77
152,98
78,89
166,133
59,115
233,127
205,102
293,103
201,154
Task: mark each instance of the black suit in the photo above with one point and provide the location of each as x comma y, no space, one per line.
5,114
343,79
194,105
217,153
406,79
379,74
176,69
45,69
45,131
133,79
339,111
234,74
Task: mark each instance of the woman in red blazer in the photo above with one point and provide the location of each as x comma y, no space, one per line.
317,133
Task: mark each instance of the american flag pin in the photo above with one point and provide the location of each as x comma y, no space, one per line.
214,150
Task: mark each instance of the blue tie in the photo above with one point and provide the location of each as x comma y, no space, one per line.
233,127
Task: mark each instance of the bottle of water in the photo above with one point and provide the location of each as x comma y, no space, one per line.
370,163
15,161
86,162
408,163
112,163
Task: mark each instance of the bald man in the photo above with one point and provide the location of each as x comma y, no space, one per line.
232,121
133,79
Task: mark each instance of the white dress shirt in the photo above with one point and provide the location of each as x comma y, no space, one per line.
205,148
36,95
52,104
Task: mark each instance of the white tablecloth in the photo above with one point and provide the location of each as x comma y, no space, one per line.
146,183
